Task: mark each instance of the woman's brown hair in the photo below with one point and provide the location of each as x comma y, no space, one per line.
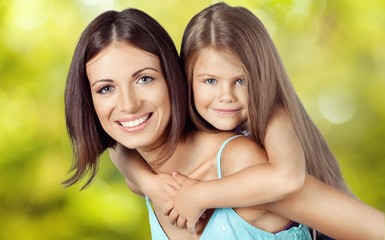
88,138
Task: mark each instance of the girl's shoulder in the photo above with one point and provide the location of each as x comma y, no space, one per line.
240,153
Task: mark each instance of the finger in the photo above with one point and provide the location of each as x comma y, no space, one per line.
181,222
174,184
173,216
190,227
179,177
167,208
171,191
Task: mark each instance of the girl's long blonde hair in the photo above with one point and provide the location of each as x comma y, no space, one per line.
237,31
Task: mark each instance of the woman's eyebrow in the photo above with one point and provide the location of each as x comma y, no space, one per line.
133,75
102,80
143,69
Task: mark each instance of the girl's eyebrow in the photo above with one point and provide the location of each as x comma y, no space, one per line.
206,75
242,76
133,75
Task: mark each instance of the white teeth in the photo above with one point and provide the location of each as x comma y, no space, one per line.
134,123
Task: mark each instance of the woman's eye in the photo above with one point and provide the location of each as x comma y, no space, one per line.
240,82
210,81
145,80
105,89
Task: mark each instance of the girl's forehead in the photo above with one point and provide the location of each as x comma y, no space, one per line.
226,54
217,64
222,53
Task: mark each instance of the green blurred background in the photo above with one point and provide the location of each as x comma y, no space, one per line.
334,52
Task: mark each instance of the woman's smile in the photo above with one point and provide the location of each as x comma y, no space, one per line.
129,123
130,95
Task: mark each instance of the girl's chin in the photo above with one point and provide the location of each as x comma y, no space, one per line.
225,128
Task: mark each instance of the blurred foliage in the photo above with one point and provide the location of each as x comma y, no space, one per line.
333,52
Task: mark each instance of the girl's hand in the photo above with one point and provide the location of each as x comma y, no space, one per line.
184,208
160,188
140,179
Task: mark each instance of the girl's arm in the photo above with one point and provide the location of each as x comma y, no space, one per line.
324,208
281,175
139,178
331,212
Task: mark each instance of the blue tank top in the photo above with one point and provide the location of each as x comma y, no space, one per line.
225,223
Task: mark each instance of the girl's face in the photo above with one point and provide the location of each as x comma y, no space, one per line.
130,95
219,88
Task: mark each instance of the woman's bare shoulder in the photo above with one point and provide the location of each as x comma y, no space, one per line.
214,138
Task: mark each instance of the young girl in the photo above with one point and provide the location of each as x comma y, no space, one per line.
237,82
234,36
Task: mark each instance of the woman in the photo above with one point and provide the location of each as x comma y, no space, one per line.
131,103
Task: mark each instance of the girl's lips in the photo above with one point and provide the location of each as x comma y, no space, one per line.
134,122
226,111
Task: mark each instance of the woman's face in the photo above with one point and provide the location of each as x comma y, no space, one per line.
130,95
219,88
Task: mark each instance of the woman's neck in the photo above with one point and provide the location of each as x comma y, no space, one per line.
154,154
151,155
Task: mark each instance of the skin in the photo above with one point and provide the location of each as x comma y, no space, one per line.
341,217
130,96
219,90
125,83
296,206
204,168
220,97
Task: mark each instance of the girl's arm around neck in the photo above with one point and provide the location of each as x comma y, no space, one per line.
249,180
258,178
131,165
332,212
140,179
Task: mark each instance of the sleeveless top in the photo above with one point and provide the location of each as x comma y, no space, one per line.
225,223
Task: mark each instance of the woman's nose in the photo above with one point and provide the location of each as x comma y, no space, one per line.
128,101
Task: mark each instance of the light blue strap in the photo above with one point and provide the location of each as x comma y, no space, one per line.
157,231
219,155
150,210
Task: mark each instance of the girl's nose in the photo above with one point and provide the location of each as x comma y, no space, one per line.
226,94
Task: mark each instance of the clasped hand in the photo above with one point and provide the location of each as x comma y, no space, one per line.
183,205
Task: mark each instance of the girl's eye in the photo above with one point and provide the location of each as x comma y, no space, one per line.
240,82
145,80
105,89
210,81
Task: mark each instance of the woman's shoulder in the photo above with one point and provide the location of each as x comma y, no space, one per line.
211,137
